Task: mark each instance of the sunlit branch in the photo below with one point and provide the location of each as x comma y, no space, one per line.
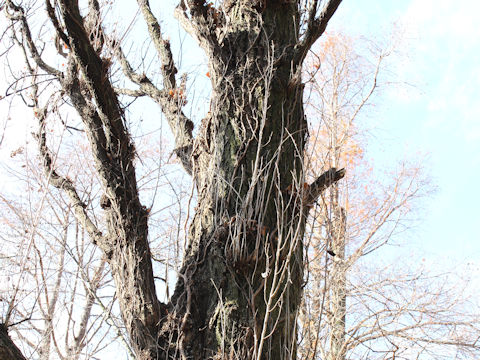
315,27
18,14
321,183
203,22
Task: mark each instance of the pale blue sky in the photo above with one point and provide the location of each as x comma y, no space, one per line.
438,115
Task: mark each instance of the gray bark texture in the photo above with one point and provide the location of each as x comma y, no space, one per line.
241,282
338,281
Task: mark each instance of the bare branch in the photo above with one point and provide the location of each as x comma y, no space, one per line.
170,100
18,14
321,183
66,185
315,27
130,92
162,46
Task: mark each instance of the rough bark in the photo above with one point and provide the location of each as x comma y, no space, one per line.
241,282
126,244
242,279
245,240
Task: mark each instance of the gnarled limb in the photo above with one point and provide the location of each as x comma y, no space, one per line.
18,14
126,244
65,184
170,101
170,98
95,76
60,182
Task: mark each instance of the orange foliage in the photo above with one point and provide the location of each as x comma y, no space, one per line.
178,94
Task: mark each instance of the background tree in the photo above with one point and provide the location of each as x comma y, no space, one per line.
357,306
56,287
240,284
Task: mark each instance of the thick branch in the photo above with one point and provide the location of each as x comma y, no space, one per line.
128,248
56,24
130,92
328,178
95,73
8,349
315,27
162,46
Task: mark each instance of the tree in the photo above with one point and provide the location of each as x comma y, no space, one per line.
239,288
57,280
342,82
58,292
357,307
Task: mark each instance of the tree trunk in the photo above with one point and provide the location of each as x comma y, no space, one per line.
8,350
240,285
242,278
337,282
